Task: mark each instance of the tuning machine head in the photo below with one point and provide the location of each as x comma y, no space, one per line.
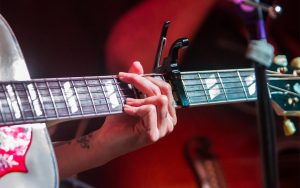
288,127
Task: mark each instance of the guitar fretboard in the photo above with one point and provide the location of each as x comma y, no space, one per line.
211,87
42,100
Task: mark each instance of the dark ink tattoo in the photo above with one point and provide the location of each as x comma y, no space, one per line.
84,141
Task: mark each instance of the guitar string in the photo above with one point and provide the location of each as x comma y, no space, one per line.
187,85
85,104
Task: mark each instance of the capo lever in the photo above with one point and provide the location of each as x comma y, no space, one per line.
161,45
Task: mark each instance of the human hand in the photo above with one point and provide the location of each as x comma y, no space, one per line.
146,120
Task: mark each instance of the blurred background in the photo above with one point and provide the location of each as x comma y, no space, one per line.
85,38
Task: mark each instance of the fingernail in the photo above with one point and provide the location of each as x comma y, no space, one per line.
121,75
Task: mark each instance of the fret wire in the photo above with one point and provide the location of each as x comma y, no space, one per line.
245,92
2,111
206,96
29,99
52,99
40,99
77,96
18,101
9,103
222,85
118,89
93,103
64,96
185,91
105,96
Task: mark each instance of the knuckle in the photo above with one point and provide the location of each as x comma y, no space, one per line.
163,100
156,90
151,108
174,120
171,128
152,138
166,88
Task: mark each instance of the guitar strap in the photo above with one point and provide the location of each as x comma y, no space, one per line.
26,154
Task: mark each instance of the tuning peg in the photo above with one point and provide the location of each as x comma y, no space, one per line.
288,127
295,63
280,60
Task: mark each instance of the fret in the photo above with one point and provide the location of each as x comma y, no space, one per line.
18,101
232,85
206,96
84,97
44,96
4,104
213,87
3,119
242,84
127,90
110,91
37,108
24,103
10,108
101,83
249,81
194,88
52,99
222,85
64,97
29,102
93,103
185,89
77,97
40,99
122,99
71,99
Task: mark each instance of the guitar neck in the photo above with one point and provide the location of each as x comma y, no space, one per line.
223,86
42,100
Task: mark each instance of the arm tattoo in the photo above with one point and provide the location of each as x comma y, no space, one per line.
84,141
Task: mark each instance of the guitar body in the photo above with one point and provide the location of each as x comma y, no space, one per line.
36,167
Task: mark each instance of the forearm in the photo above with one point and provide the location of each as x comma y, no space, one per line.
80,154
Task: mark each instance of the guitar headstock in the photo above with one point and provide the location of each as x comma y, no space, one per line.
284,85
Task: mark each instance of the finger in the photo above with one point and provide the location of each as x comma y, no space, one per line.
161,103
166,89
149,120
141,83
136,67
